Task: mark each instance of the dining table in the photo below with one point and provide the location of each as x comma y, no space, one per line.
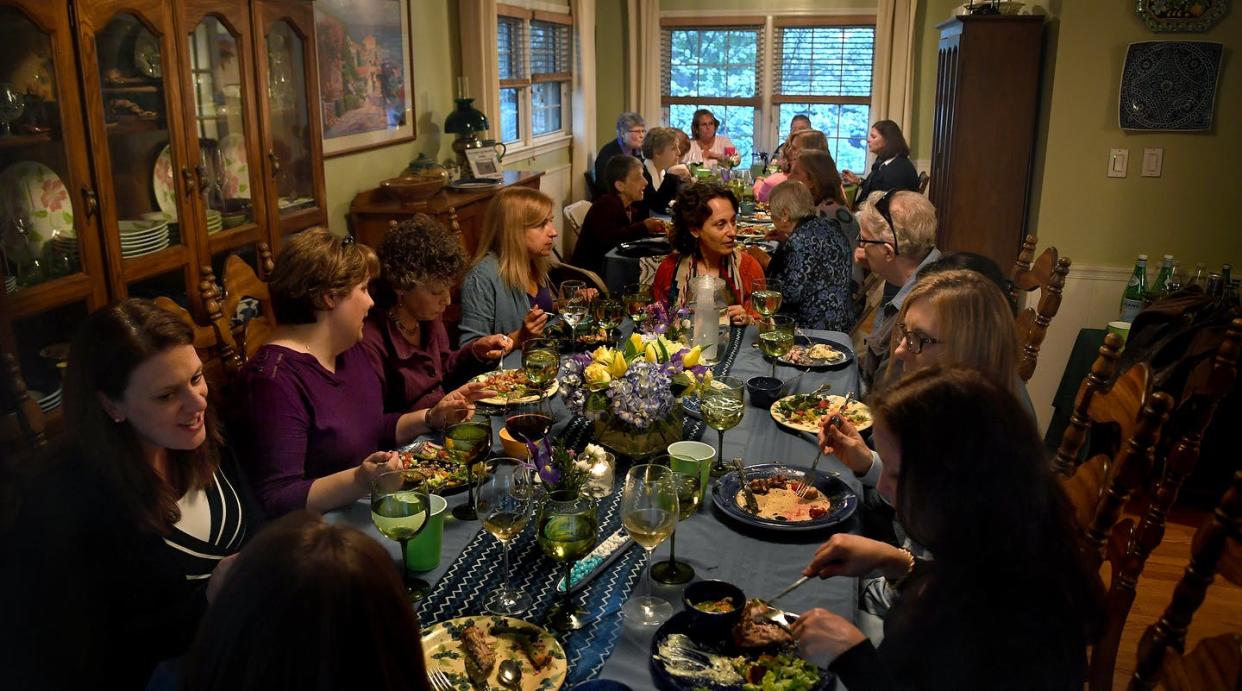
761,561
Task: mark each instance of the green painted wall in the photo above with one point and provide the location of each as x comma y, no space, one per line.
610,68
437,61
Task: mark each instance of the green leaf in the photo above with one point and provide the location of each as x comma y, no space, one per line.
41,213
68,218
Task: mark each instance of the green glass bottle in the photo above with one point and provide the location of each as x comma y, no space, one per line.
1136,291
1163,280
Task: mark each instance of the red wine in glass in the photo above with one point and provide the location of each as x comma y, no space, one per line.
529,427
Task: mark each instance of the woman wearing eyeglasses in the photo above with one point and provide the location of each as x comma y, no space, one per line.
707,146
892,169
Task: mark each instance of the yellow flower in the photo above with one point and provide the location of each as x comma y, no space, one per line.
597,376
619,365
636,341
650,354
691,358
602,355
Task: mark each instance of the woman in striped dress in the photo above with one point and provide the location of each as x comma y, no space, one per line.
111,559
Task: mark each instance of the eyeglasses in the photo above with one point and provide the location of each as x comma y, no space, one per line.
915,341
348,240
638,130
881,205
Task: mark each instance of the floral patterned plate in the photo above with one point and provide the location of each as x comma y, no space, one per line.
34,193
162,183
236,173
509,639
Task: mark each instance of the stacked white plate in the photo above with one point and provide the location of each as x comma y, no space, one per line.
10,284
215,221
47,402
140,238
66,244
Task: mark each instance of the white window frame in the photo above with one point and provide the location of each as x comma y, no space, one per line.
527,145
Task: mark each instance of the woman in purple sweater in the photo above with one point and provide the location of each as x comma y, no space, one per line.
403,336
316,405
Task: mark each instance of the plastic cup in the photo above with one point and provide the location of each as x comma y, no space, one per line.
698,451
1122,329
423,552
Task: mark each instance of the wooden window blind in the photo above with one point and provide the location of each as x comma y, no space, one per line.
822,64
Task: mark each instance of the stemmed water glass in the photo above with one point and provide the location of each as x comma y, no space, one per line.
506,491
765,296
777,341
400,508
469,441
540,361
568,530
573,307
686,478
649,514
722,404
636,297
608,313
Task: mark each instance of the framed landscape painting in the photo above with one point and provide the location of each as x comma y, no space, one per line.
366,69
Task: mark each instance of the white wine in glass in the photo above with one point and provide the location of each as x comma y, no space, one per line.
400,508
777,341
722,404
649,513
505,494
765,296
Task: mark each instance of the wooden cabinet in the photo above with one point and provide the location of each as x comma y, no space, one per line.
142,143
987,102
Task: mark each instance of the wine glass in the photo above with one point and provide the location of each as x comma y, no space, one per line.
608,313
540,361
573,307
503,502
636,297
722,404
569,290
12,105
649,514
686,478
765,296
468,442
777,341
568,530
530,423
400,508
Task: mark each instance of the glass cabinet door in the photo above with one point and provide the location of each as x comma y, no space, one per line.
227,175
42,209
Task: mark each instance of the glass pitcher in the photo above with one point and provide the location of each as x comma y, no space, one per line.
705,297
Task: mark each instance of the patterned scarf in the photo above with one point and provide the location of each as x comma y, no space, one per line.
688,268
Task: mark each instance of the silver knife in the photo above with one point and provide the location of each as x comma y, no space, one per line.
786,591
751,505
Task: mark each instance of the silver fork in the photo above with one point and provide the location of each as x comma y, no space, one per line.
807,477
439,680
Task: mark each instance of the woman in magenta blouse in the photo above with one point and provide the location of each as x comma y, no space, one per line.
403,336
319,429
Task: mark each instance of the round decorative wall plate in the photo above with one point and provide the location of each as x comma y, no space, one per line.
1181,15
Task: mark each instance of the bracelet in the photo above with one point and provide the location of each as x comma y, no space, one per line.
909,568
431,425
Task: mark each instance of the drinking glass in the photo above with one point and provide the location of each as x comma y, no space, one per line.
636,297
777,341
400,508
608,313
649,514
540,361
722,404
503,503
765,295
567,532
529,423
686,478
573,307
12,105
469,442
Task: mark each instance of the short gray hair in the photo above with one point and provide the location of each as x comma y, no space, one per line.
914,219
627,120
791,201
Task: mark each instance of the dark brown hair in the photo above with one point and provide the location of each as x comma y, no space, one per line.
112,343
308,606
821,170
316,265
894,141
417,250
618,168
694,122
692,211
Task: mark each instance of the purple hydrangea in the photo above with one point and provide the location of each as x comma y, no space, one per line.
642,395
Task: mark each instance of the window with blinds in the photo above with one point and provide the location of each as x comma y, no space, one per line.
824,72
821,67
534,58
718,68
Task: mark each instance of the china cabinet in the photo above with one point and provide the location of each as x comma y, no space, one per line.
143,143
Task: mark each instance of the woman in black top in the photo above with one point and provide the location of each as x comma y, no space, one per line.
892,169
110,562
1006,602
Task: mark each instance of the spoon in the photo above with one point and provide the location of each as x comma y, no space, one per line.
510,674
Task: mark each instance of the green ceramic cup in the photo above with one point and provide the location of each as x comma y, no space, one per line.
423,552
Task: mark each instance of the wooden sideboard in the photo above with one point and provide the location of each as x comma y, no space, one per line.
373,210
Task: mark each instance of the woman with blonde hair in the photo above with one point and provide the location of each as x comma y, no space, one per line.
316,402
507,289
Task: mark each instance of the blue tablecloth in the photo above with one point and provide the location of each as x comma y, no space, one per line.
759,563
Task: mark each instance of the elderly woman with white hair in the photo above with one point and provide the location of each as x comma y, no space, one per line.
813,266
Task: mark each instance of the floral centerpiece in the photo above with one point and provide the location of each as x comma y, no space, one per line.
675,325
631,393
561,467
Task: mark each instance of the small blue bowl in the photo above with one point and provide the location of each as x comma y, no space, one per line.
712,626
764,391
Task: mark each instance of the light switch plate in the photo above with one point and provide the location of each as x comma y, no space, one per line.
1153,162
1118,159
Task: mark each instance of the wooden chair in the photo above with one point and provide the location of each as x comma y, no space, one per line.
924,178
207,343
574,215
567,272
23,427
1047,274
239,342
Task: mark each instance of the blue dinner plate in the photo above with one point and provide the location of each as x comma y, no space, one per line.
602,685
845,348
680,623
842,501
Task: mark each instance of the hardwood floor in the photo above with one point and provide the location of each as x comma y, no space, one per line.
1221,612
